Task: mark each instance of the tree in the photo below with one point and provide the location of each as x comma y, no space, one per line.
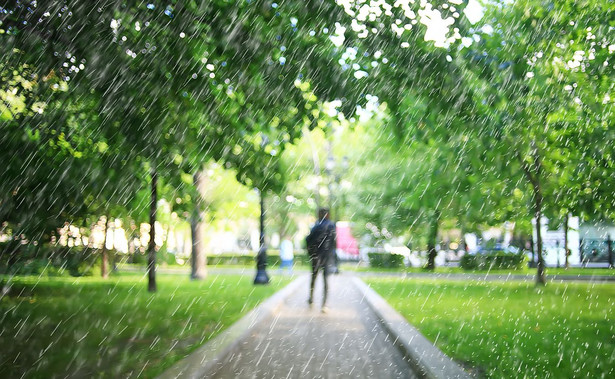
257,161
153,70
525,113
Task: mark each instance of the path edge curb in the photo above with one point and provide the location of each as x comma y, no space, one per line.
202,362
427,359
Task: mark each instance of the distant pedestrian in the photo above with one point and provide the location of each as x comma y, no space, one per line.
286,255
321,244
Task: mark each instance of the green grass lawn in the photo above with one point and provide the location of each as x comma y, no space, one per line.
457,270
89,327
513,329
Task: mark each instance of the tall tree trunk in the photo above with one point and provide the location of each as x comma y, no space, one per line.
132,248
284,210
151,248
261,257
566,251
104,268
538,200
431,242
540,272
533,250
609,246
533,173
462,241
199,260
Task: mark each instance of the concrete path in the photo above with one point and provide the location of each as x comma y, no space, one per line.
301,342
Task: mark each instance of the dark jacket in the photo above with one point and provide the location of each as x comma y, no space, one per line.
321,242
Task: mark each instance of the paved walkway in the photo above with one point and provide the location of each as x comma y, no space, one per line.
298,341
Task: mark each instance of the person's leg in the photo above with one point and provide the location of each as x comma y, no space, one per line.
325,274
315,265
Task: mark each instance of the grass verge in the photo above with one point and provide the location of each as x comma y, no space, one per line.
573,271
90,327
513,329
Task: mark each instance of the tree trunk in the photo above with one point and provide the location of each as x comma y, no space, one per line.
261,257
533,250
316,162
104,268
609,245
151,248
13,248
199,260
533,175
131,242
566,251
261,237
540,272
431,242
462,241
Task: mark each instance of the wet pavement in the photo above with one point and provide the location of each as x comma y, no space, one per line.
299,341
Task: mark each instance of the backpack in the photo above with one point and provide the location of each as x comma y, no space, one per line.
311,244
317,242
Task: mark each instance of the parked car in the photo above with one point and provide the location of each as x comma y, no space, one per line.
497,249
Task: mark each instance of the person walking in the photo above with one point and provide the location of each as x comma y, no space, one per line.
321,244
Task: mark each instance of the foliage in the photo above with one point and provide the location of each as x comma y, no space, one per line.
507,119
164,90
273,259
498,260
385,260
48,260
497,128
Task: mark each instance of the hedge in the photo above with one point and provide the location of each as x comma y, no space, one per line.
29,259
273,259
386,260
493,261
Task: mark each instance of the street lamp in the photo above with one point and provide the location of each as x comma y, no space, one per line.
261,257
329,167
334,178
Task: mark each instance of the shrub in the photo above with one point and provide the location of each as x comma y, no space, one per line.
273,259
385,260
164,257
233,259
469,262
493,261
49,260
138,258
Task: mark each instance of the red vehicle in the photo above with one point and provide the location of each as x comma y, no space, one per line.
347,245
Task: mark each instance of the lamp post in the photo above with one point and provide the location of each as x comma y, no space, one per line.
329,167
261,257
334,178
334,172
